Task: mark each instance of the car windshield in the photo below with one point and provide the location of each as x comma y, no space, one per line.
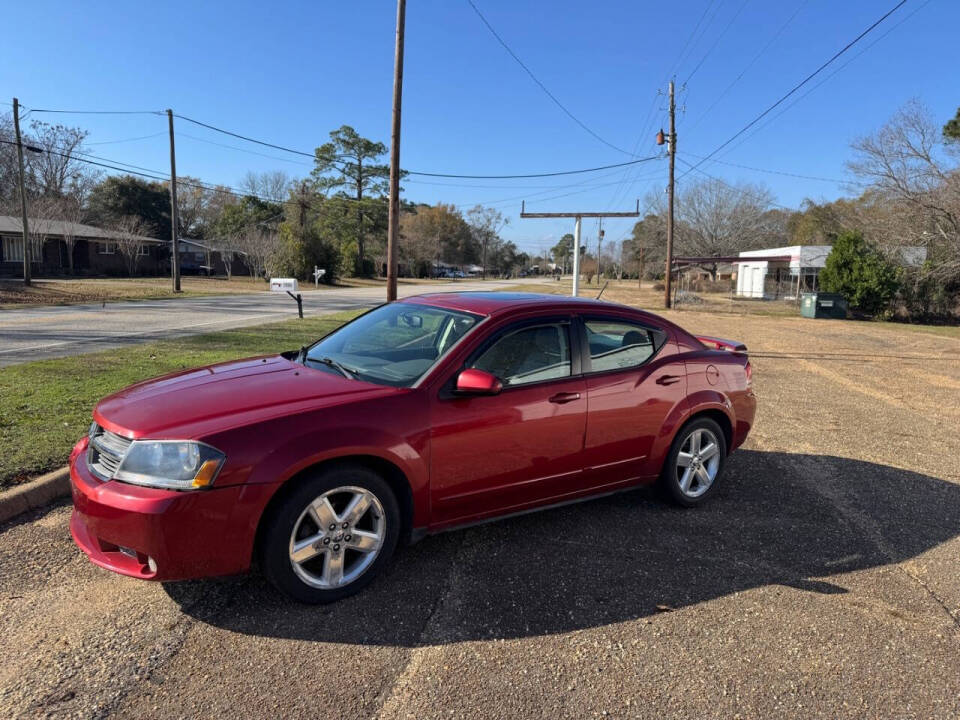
392,345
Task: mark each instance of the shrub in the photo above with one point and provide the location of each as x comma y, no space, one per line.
858,271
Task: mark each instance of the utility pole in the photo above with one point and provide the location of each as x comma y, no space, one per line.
672,152
174,220
393,217
23,195
578,217
599,245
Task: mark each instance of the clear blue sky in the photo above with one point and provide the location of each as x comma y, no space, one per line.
290,72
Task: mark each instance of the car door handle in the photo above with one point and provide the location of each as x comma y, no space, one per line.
565,397
667,379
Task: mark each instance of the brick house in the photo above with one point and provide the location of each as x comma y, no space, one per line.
95,250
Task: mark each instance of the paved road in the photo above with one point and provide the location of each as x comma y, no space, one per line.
57,331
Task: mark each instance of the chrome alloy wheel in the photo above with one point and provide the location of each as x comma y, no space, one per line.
337,537
698,463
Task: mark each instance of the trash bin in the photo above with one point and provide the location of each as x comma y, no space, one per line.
823,305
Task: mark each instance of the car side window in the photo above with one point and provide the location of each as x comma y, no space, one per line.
529,355
616,345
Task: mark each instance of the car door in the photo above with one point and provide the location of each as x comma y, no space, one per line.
633,382
521,447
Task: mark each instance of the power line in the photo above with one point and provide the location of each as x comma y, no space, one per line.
828,77
750,64
540,84
683,50
149,173
406,172
504,186
244,137
100,112
728,185
527,196
799,85
535,175
125,140
716,42
649,121
779,172
73,156
239,149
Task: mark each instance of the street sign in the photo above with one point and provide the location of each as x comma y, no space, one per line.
287,285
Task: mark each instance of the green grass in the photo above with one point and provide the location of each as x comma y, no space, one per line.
46,406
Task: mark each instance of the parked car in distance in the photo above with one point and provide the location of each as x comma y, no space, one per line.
422,415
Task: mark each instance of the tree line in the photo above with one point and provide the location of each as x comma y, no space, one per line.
908,194
335,218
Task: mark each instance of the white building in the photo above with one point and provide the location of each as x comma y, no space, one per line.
786,271
774,272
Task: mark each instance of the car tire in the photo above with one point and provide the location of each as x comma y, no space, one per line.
691,471
314,564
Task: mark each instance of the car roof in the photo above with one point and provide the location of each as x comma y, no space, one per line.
496,303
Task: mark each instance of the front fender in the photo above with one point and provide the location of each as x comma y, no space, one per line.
264,479
314,447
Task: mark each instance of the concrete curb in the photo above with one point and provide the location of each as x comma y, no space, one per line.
34,494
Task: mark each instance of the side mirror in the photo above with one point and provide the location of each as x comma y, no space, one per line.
478,382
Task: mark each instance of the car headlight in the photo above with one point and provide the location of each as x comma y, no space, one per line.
173,464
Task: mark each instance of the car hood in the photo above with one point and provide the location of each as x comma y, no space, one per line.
194,402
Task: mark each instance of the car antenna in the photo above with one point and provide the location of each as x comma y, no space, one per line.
602,289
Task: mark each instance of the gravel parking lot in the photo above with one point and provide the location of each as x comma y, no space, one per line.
823,580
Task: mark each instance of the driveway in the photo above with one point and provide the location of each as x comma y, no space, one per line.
56,331
822,580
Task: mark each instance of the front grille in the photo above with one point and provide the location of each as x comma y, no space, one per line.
106,452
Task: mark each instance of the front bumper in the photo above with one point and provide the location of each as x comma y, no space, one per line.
156,534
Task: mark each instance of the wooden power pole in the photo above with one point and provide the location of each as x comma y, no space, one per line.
578,217
23,195
174,220
393,217
672,151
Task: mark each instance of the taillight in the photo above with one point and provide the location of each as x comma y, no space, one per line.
748,369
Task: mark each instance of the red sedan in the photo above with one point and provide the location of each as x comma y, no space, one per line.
422,415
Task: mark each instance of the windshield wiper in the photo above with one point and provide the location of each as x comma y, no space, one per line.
330,362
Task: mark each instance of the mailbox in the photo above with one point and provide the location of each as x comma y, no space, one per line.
288,285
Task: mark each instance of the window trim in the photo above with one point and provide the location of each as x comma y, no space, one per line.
106,247
447,389
588,370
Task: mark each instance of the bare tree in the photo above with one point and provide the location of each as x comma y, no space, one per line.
71,213
9,195
258,246
486,224
227,247
717,218
58,169
45,213
130,236
272,185
915,187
